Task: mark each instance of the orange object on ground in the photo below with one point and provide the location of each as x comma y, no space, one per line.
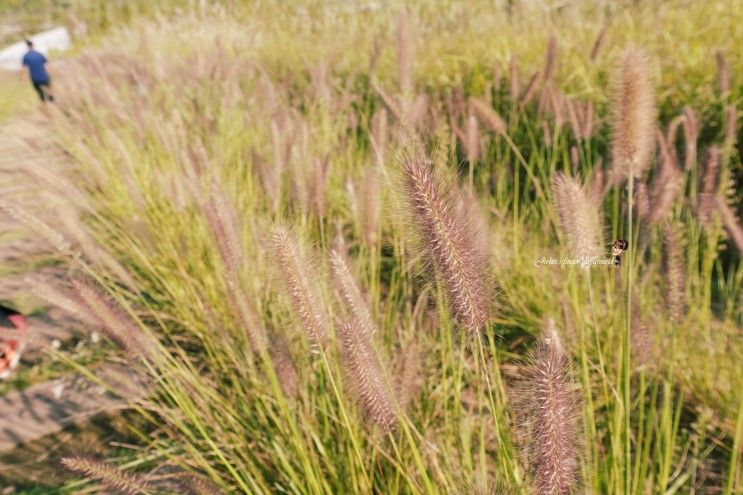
11,348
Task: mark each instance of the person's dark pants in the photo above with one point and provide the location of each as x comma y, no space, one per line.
42,88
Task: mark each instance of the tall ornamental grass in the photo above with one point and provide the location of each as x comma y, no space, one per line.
333,264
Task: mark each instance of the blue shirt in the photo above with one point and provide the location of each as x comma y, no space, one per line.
35,62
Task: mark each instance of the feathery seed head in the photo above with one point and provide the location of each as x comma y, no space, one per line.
708,192
667,183
553,446
319,182
642,200
691,136
408,380
300,285
283,364
350,293
551,59
598,43
515,85
223,223
112,477
731,124
489,116
366,376
731,221
370,205
116,323
405,55
547,133
674,271
723,72
530,91
579,217
380,133
450,240
596,184
247,314
642,341
472,139
37,226
62,299
201,486
634,116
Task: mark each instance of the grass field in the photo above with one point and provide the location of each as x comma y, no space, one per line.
325,231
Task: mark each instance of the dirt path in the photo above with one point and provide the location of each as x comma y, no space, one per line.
24,257
49,406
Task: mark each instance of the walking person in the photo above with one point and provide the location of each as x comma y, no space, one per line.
36,61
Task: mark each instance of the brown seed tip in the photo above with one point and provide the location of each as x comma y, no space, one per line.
731,222
551,59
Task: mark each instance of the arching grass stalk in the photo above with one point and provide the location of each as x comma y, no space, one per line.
634,120
516,189
735,460
508,463
670,419
346,421
590,413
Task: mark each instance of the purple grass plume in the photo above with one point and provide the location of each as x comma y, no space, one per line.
553,443
634,116
110,476
674,272
350,293
578,209
116,323
451,241
488,116
709,183
366,376
300,283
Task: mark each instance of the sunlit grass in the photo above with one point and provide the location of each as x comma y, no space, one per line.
278,120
